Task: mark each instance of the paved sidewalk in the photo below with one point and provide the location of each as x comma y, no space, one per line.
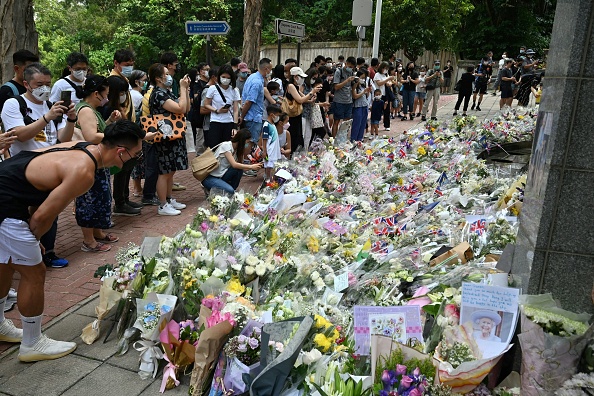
72,294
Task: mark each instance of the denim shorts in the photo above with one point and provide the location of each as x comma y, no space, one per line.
375,122
342,111
421,95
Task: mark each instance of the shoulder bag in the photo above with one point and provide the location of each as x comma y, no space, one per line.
168,127
291,107
205,163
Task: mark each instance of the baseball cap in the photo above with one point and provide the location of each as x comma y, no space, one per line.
297,71
242,67
530,52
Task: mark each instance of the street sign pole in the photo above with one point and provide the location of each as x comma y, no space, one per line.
289,29
376,28
279,49
208,49
298,52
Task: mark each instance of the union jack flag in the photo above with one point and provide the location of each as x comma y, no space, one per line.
369,158
391,140
478,227
378,220
390,157
393,188
381,231
442,178
411,201
402,153
438,191
391,221
319,175
378,246
437,232
350,208
341,188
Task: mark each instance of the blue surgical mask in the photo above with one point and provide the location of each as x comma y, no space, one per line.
436,67
243,74
168,81
145,85
127,71
348,69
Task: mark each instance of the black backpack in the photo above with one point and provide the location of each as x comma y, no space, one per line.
77,88
26,117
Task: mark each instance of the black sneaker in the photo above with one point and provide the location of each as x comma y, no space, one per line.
125,210
423,118
52,261
434,118
411,116
473,105
135,205
478,108
150,201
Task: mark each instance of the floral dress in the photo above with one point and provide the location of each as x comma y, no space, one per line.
93,208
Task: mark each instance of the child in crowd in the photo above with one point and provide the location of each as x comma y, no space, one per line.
377,110
421,91
273,88
270,141
284,136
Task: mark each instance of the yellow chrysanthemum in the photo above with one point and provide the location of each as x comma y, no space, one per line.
421,150
322,342
321,322
313,244
234,286
214,218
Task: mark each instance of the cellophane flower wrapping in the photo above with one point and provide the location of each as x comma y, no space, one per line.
550,357
108,298
178,341
250,340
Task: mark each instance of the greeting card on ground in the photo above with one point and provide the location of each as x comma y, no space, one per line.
393,326
411,317
492,312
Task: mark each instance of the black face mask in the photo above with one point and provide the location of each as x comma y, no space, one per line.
178,67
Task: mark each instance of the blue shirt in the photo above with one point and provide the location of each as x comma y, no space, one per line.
253,90
269,132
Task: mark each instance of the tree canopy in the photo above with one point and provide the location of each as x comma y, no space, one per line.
150,27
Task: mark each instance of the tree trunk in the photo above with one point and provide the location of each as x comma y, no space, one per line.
18,32
252,30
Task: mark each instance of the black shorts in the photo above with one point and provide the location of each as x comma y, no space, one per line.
506,93
480,87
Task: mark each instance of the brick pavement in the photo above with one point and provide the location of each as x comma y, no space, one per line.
70,287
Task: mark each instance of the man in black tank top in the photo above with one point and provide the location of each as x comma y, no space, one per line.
43,183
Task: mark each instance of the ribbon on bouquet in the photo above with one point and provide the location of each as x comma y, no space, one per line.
150,354
168,372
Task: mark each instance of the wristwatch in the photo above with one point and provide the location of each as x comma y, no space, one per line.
72,121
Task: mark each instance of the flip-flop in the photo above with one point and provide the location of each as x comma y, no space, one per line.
100,247
109,238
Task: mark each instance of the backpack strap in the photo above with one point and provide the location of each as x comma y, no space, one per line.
15,90
26,117
77,88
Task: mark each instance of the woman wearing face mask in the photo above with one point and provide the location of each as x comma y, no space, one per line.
172,155
93,209
222,101
312,76
139,83
230,155
360,106
398,85
295,92
421,92
384,82
409,80
78,65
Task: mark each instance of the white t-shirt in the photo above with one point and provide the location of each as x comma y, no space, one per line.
12,118
136,98
62,85
224,164
380,77
217,102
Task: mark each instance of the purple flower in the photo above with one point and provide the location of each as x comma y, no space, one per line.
254,343
417,372
242,339
386,378
400,369
415,392
204,226
242,348
406,381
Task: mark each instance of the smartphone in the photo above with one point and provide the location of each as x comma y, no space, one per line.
227,106
66,97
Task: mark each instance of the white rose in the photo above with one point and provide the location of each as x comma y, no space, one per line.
236,266
315,276
319,283
260,269
249,270
217,273
312,356
252,260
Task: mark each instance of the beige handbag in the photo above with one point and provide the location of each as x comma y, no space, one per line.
205,163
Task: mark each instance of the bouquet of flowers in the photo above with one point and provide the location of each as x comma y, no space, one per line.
179,343
243,357
552,342
151,312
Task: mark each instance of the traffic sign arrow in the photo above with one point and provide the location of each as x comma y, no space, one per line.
207,27
289,28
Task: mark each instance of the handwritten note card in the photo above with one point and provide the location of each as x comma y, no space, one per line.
341,281
494,298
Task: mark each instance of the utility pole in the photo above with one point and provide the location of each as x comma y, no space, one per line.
376,28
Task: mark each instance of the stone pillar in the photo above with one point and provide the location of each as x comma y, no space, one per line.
555,247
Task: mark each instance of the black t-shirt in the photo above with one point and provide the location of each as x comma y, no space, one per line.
6,92
486,71
505,72
447,72
326,87
466,84
410,86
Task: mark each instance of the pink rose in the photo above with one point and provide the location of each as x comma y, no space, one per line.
400,369
421,297
415,392
406,381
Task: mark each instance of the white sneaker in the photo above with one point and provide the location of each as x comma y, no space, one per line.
168,210
45,349
177,205
12,293
9,332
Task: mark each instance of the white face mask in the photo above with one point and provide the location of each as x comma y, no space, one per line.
204,73
127,71
123,98
275,119
312,81
41,93
79,75
225,81
299,80
269,74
